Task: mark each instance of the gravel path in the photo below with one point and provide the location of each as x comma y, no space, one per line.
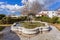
54,34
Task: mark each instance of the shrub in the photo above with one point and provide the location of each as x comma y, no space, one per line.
1,16
47,19
38,18
22,18
58,21
43,18
6,20
54,20
10,20
31,25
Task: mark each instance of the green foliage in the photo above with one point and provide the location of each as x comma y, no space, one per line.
10,20
38,18
47,19
22,18
1,22
6,20
31,25
1,16
43,18
58,21
54,20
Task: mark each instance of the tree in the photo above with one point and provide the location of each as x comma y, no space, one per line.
31,14
58,21
34,7
1,22
43,19
7,20
2,15
54,19
22,18
38,18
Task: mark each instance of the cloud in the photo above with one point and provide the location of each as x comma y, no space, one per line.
24,1
16,8
45,3
8,8
31,2
1,2
11,7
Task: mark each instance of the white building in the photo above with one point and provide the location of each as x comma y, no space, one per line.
48,13
58,13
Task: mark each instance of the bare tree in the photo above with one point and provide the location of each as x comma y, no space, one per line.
24,10
35,7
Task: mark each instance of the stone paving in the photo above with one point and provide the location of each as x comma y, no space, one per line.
54,34
7,35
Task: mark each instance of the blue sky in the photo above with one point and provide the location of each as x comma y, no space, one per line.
13,6
54,6
12,2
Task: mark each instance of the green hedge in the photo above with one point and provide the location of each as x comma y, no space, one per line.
58,21
2,15
47,19
10,20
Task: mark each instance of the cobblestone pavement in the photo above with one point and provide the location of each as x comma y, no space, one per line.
54,34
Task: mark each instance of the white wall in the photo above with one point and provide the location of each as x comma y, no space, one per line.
49,13
52,14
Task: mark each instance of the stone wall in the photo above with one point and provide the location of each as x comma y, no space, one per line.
30,31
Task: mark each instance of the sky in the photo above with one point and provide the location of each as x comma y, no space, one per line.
14,6
12,2
55,6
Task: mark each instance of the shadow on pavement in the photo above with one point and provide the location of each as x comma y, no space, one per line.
7,35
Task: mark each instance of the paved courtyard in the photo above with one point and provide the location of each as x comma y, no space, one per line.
54,34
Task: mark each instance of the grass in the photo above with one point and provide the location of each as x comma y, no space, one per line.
31,25
5,25
1,28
